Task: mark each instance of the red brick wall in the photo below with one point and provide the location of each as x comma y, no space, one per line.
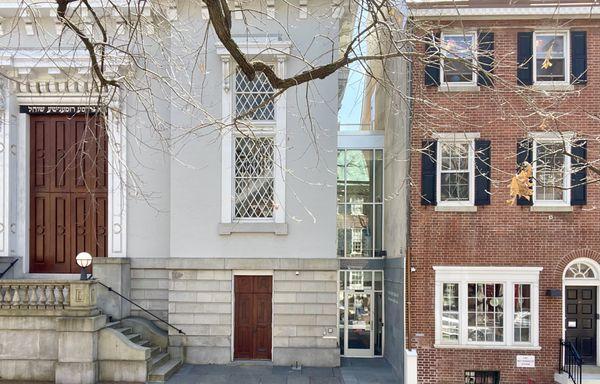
499,234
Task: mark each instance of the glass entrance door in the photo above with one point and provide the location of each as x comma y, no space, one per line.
359,317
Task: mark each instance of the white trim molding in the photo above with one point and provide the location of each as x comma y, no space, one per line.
508,277
276,51
502,13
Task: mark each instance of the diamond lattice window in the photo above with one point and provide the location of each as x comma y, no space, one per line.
254,97
254,177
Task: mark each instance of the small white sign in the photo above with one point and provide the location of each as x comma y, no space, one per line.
525,361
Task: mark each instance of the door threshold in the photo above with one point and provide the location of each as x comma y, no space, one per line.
265,363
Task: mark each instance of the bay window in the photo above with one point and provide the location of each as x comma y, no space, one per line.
480,307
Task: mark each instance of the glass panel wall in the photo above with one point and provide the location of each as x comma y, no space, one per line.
360,202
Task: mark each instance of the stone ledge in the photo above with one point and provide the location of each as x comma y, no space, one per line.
276,228
459,88
456,208
551,208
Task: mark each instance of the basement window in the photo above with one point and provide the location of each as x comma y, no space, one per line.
482,377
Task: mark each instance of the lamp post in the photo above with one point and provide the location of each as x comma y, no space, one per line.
84,260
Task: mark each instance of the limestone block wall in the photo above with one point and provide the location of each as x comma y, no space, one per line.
305,318
150,288
304,312
28,348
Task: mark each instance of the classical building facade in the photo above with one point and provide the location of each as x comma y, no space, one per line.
494,286
234,238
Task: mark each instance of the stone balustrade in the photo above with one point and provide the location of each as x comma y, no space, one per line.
57,295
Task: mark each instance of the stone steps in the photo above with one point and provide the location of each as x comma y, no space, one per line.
160,365
163,372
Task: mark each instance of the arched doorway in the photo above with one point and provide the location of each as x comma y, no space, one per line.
581,280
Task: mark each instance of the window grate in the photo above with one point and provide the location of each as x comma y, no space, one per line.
254,97
254,177
482,377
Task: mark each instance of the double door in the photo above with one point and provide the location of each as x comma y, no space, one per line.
68,191
253,313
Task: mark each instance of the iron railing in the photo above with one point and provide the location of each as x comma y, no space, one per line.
8,268
569,361
140,307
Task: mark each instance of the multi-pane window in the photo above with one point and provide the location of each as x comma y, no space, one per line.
254,98
485,312
360,202
450,314
455,168
550,55
550,170
522,320
458,59
254,178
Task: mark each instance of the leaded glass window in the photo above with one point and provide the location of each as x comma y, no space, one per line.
254,178
522,320
360,202
254,97
549,171
485,312
455,169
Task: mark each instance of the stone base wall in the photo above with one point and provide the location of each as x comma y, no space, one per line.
200,302
150,288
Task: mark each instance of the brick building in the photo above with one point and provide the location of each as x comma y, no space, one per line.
493,287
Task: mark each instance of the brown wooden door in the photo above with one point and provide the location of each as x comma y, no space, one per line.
68,191
253,302
580,321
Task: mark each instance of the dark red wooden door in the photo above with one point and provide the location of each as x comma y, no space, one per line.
253,302
68,185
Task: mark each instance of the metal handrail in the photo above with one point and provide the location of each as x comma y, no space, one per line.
8,268
570,361
140,307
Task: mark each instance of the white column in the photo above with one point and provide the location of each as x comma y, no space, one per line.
226,142
117,183
4,167
281,146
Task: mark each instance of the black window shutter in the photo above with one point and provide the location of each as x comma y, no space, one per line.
483,172
432,60
524,153
579,173
525,58
428,172
485,58
578,57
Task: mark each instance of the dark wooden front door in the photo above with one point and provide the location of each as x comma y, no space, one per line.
68,191
580,321
253,317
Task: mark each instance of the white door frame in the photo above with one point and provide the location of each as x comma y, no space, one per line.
587,282
117,205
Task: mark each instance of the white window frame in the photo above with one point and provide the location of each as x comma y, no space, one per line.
458,138
508,276
443,54
549,138
270,51
567,49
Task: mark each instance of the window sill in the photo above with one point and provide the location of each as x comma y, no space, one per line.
551,208
276,228
458,88
553,87
456,208
483,346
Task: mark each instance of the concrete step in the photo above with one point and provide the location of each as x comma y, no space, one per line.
134,337
161,373
125,331
154,350
144,343
157,360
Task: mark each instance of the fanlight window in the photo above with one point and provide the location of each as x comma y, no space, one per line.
580,271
